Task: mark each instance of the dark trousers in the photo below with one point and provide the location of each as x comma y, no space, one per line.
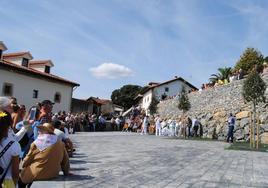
189,131
195,131
24,185
230,134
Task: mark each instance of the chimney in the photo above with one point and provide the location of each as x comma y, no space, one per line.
175,76
42,65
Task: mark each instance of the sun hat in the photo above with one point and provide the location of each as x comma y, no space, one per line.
46,127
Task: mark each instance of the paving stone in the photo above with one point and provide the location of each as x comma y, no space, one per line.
115,159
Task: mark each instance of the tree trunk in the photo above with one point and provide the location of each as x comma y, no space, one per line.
254,124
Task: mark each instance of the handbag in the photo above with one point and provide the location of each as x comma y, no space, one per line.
1,155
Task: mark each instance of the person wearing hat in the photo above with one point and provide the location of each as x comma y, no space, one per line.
58,127
46,158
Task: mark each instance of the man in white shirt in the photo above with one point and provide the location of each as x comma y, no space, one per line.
158,126
145,125
118,123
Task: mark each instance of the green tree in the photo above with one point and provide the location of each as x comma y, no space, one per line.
266,59
125,95
184,103
223,73
249,59
254,91
153,105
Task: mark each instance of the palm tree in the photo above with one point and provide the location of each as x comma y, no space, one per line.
223,73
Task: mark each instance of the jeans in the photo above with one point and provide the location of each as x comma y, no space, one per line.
230,133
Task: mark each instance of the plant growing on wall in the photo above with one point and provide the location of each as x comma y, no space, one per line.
184,103
223,73
153,105
254,91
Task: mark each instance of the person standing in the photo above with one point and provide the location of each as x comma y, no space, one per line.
189,127
118,123
158,126
145,125
231,124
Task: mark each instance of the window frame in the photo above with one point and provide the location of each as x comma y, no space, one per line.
35,93
24,60
57,100
4,89
47,69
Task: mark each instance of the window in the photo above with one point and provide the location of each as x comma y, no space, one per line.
7,89
35,94
1,52
166,89
47,69
57,97
25,62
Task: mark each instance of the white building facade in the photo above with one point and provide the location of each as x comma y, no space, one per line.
31,83
164,90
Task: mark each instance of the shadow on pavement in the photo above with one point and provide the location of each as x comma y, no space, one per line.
72,161
75,177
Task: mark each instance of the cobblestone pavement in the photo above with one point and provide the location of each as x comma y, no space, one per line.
115,159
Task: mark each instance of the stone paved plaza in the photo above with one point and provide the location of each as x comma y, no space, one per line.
115,159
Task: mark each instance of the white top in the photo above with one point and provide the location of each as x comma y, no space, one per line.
66,132
13,151
163,124
60,134
19,135
117,121
158,123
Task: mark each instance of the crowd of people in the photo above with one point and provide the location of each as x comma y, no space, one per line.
34,140
38,141
237,75
183,127
141,123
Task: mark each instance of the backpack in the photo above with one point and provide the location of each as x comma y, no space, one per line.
2,170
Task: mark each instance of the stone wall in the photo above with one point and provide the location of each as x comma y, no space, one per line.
212,107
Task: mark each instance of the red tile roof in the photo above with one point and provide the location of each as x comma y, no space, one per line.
15,54
34,72
40,62
175,79
100,101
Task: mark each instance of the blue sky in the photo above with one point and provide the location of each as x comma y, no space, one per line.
104,44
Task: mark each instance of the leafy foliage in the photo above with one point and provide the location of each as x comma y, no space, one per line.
254,88
223,74
125,95
184,103
249,59
266,59
153,105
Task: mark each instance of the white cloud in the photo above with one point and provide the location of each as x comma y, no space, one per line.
111,71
